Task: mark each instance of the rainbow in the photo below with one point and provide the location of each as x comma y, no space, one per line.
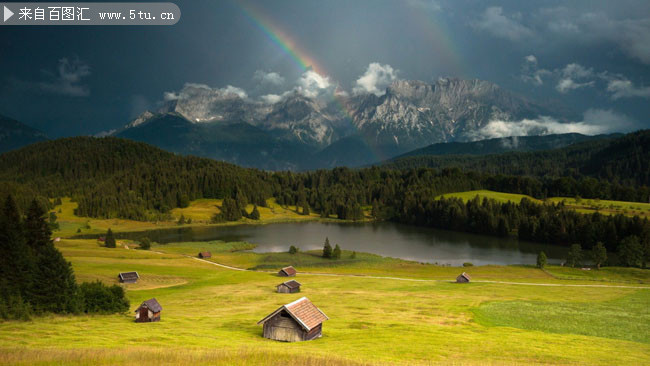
301,58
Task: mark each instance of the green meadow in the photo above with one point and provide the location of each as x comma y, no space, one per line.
582,205
382,311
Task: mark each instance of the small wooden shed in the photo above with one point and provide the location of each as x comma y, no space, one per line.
128,277
297,321
287,272
463,278
289,287
205,255
148,311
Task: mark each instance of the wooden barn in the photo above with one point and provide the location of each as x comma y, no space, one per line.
205,255
128,277
298,321
289,287
287,272
148,311
463,278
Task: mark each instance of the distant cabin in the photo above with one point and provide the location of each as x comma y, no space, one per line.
205,255
463,278
287,272
148,311
289,287
101,239
298,321
128,277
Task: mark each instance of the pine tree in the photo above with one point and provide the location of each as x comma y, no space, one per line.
109,241
541,260
293,250
375,210
145,243
599,254
255,214
327,249
631,252
336,253
16,258
181,220
55,289
305,209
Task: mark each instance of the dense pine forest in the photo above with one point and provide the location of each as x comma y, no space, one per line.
34,276
111,177
614,166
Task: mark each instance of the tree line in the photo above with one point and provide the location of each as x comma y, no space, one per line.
34,276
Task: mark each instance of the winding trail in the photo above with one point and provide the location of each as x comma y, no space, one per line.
423,280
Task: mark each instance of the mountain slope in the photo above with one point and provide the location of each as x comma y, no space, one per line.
622,160
236,142
14,134
504,144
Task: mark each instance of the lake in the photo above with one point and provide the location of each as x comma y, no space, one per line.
383,238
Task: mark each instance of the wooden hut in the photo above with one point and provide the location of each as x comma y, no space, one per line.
287,272
205,255
463,278
298,321
128,277
148,311
289,287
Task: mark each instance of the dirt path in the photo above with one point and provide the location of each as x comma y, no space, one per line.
425,280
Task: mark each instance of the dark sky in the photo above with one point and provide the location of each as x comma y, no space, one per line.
593,56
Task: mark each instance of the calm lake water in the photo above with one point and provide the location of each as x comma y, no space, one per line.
384,238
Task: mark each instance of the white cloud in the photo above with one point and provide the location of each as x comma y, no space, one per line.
595,121
191,90
268,78
499,25
311,84
531,73
67,80
375,80
271,98
624,88
574,76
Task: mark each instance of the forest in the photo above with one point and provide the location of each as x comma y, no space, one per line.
34,276
117,178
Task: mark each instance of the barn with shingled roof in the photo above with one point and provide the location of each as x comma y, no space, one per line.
148,311
297,321
205,255
287,272
289,287
463,278
128,277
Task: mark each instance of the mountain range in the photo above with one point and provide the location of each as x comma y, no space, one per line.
299,132
15,134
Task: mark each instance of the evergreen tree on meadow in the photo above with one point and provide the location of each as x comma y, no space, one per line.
327,249
599,254
109,241
541,260
336,253
55,289
574,256
305,208
293,250
16,258
375,210
255,214
230,210
145,243
181,220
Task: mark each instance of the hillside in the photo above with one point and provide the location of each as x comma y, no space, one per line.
624,160
15,134
505,144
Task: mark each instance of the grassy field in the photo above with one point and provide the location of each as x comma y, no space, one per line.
588,206
200,211
210,313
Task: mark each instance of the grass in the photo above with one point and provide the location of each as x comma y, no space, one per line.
200,211
586,206
626,318
210,313
615,274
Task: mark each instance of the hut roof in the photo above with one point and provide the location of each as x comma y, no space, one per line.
303,312
466,276
205,254
291,284
290,271
129,276
151,304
